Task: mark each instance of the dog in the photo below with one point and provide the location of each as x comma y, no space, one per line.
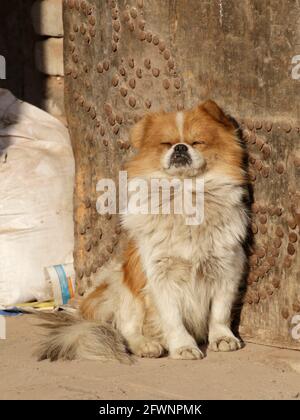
177,282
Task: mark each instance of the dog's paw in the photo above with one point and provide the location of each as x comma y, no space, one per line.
148,348
187,353
225,344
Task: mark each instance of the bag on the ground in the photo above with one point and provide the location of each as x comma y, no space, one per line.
36,209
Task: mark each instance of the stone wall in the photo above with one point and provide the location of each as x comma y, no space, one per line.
31,40
47,21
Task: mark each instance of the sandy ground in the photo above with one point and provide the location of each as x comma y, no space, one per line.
255,372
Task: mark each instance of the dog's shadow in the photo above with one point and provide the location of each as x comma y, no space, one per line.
249,240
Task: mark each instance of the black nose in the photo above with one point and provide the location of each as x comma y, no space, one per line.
180,148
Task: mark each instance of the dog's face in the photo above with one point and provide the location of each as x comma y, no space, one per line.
182,159
187,143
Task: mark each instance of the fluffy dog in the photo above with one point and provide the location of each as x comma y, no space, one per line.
177,282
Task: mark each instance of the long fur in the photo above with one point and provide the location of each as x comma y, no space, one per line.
72,338
177,283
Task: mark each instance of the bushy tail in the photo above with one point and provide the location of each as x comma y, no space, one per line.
73,338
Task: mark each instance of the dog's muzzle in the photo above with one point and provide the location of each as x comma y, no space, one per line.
180,156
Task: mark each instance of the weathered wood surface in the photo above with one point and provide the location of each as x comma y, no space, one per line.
124,58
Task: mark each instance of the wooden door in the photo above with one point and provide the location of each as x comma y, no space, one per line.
125,58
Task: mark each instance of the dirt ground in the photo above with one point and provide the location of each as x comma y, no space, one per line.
255,372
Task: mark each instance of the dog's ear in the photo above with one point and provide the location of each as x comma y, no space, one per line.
217,113
139,130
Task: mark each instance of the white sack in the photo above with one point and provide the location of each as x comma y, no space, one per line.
36,208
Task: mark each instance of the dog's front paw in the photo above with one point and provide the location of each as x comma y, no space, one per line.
225,344
147,348
187,353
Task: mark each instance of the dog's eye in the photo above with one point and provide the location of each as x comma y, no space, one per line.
197,142
165,143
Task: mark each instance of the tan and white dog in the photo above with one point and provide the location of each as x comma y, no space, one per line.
177,282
